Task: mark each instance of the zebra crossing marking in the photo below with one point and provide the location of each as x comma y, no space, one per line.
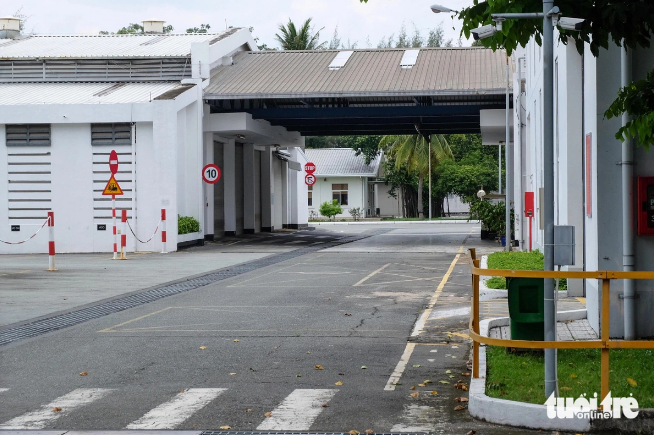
180,408
416,419
298,410
68,403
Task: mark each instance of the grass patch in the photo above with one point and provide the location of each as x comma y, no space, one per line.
519,376
533,260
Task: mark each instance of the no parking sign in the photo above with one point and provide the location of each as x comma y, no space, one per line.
310,179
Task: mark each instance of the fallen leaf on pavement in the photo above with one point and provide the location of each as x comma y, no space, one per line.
448,372
236,340
339,383
472,432
416,366
354,432
298,376
369,431
444,382
181,391
324,405
268,414
307,352
84,374
632,382
459,408
248,410
452,376
225,427
348,314
422,385
412,388
363,367
319,367
460,399
453,357
56,409
416,394
232,374
465,374
427,381
433,393
203,347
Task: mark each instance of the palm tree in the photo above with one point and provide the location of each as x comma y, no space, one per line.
412,152
292,38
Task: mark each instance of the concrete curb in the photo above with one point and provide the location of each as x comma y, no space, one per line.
508,412
449,221
486,293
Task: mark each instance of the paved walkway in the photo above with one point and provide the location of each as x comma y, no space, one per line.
570,330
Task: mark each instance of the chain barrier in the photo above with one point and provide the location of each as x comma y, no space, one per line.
153,234
29,238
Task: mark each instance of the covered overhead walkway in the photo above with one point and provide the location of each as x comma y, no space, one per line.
360,92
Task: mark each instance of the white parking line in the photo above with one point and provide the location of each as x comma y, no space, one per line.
48,413
298,411
2,390
177,410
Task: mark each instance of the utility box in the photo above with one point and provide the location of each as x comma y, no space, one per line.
564,245
646,206
526,308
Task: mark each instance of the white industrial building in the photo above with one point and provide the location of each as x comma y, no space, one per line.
344,176
589,178
67,101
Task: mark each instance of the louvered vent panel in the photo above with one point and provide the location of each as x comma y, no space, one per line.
29,191
111,134
28,135
95,70
101,175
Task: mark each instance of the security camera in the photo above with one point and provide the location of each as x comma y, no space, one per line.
568,23
484,32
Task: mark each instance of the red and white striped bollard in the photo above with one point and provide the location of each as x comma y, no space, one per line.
123,237
163,231
51,242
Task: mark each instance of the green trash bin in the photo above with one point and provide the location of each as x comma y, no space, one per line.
526,308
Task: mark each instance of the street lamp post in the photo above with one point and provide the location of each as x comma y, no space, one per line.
550,17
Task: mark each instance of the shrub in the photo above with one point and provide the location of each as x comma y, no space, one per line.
328,209
187,224
355,213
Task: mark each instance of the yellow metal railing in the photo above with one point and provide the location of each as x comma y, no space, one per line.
604,343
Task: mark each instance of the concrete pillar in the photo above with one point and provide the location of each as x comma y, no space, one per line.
267,190
249,197
285,192
208,190
229,177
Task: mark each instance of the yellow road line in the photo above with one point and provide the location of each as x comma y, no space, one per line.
419,326
371,275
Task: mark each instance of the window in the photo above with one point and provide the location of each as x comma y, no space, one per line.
28,134
310,196
339,193
111,134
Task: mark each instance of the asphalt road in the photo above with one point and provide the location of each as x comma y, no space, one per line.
330,341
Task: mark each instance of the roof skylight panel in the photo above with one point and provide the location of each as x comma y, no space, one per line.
409,59
340,60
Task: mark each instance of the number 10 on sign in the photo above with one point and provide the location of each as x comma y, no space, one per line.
211,174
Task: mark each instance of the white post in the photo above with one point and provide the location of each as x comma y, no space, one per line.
123,236
113,218
163,231
51,242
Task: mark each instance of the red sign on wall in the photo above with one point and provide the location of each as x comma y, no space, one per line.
589,174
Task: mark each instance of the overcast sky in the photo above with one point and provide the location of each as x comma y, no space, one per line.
356,21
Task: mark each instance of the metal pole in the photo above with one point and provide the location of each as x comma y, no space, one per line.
628,257
548,169
508,160
499,159
429,139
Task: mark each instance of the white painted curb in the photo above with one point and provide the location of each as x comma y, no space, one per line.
508,412
448,221
486,293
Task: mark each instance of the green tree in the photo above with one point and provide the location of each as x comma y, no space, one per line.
329,209
133,29
292,38
412,152
204,28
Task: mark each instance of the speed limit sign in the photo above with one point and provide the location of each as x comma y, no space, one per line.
310,179
211,174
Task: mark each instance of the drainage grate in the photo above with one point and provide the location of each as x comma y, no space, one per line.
209,432
55,323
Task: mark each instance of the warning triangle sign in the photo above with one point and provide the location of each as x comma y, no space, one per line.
112,187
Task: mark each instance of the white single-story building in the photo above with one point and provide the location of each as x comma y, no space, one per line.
67,101
344,176
589,183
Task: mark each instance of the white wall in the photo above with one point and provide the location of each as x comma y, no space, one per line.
322,191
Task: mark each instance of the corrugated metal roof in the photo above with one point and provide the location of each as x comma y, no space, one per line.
106,46
289,74
81,93
341,162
